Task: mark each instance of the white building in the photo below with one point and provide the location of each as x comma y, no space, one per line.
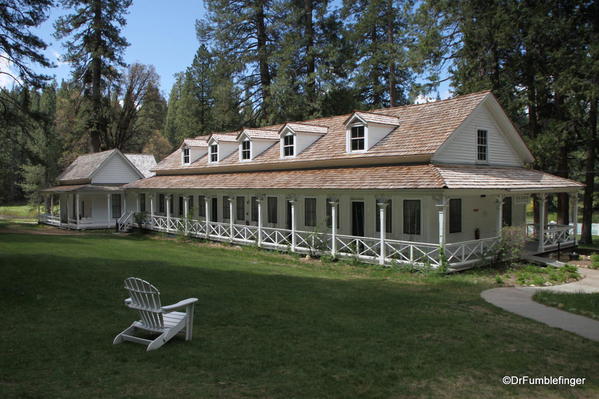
400,182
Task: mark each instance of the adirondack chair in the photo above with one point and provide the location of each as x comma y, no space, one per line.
155,318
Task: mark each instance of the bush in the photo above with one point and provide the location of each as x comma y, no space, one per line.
510,245
595,261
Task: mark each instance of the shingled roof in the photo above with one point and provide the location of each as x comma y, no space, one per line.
424,176
84,166
423,128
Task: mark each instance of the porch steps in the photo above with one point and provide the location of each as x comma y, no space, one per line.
542,261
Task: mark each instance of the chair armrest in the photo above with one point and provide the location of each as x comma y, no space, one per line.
180,304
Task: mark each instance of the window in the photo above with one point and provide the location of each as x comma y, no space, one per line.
388,217
507,211
181,206
226,213
240,208
190,210
214,153
254,206
245,149
272,209
481,148
310,212
161,203
116,205
288,146
411,216
186,155
202,206
214,210
455,215
357,138
74,207
142,202
171,201
330,213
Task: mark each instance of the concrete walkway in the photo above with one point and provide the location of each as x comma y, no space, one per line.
519,301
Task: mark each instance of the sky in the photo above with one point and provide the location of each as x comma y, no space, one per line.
159,35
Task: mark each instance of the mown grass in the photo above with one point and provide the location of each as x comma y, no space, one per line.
584,304
267,326
18,212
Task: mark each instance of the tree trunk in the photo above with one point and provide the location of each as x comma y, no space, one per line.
587,214
390,39
96,80
310,65
563,202
261,42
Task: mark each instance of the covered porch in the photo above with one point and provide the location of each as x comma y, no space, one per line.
81,207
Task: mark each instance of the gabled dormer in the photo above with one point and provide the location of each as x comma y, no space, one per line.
220,146
253,142
364,129
296,137
192,150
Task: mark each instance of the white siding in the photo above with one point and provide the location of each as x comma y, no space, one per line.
376,133
460,148
116,171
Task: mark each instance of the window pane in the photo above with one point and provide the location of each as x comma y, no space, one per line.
310,212
202,206
482,145
213,153
272,209
116,206
142,202
181,206
191,209
455,215
240,208
254,205
507,211
161,203
411,216
226,213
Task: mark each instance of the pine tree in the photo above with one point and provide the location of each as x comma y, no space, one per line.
95,51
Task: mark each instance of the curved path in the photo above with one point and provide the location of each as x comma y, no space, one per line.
519,301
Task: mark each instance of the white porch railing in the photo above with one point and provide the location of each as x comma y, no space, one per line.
125,221
367,249
553,235
47,218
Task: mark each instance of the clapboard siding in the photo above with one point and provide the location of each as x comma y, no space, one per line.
461,146
115,170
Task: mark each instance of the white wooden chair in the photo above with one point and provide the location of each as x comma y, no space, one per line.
155,318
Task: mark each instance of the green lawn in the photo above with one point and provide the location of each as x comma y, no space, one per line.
18,212
584,304
267,326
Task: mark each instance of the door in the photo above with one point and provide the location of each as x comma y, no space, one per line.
288,219
214,210
357,219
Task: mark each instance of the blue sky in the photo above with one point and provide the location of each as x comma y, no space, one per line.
159,35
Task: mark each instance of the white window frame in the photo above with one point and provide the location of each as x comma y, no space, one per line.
293,146
210,153
486,146
422,204
348,139
315,211
242,150
186,154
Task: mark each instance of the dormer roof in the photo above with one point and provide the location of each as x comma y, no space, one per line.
223,137
260,134
195,142
371,117
297,127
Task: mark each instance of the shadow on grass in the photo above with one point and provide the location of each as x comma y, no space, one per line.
256,334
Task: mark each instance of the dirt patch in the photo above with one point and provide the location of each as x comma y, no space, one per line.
38,230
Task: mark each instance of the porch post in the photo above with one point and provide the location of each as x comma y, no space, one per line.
186,212
108,210
259,201
207,200
152,207
231,217
574,214
293,238
541,234
441,210
168,212
77,209
382,210
333,204
499,214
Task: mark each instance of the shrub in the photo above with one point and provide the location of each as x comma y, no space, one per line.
510,245
595,261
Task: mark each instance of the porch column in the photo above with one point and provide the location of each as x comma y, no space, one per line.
441,211
333,204
231,217
108,210
77,209
541,234
207,201
574,214
168,212
152,207
382,210
293,238
499,214
186,213
259,201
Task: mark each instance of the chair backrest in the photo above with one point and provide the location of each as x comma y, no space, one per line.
145,298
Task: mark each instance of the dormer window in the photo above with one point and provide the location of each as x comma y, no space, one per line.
214,153
245,150
481,146
288,145
186,156
357,138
